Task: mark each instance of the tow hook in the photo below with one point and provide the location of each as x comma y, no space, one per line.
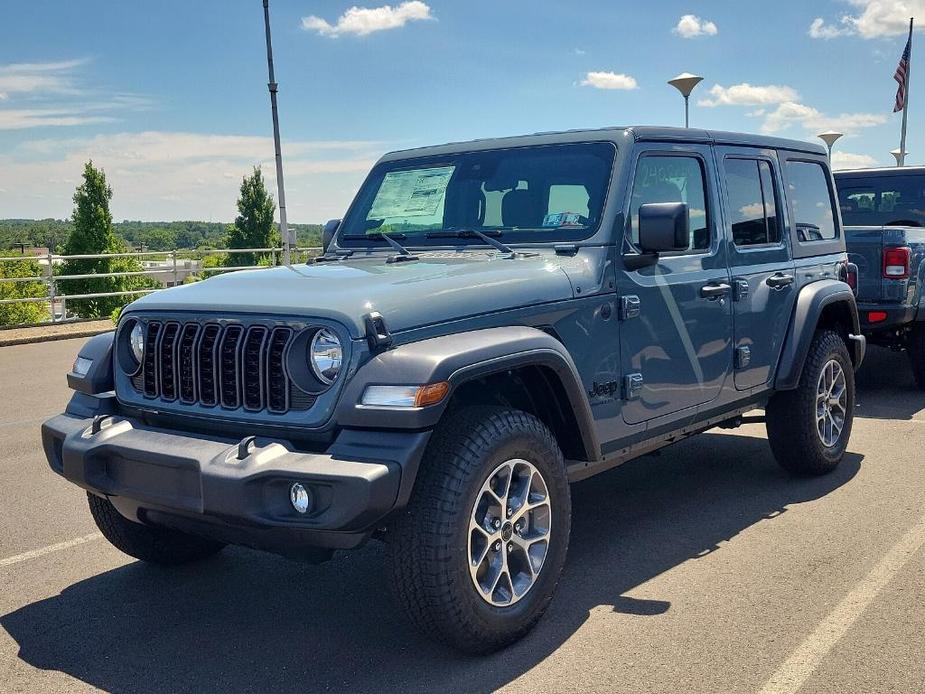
247,444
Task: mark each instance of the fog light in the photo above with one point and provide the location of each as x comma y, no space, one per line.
300,498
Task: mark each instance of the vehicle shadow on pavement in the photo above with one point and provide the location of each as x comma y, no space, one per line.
247,621
886,388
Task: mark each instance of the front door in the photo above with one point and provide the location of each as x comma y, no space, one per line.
759,260
676,335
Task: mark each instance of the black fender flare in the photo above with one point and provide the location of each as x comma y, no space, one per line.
812,300
99,378
457,359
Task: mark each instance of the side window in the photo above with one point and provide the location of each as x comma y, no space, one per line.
752,202
672,179
808,187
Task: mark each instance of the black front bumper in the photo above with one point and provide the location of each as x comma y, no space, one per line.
238,494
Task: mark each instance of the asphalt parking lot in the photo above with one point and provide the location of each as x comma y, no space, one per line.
702,569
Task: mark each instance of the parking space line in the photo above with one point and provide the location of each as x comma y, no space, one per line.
42,551
794,672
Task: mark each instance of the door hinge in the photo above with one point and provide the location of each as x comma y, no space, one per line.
629,307
632,385
739,290
743,357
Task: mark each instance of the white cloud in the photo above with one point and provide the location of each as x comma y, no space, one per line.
847,160
51,94
691,26
873,19
38,78
609,80
167,176
746,94
24,118
820,30
361,21
792,113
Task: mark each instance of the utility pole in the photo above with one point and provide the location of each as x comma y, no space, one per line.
283,226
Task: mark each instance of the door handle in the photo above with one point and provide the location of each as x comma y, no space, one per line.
714,291
779,281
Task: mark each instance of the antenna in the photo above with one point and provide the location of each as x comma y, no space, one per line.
283,226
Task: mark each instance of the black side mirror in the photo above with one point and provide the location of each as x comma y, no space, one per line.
663,227
327,234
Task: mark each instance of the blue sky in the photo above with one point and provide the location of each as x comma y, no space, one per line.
170,97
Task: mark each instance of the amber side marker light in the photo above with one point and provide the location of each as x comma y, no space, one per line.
431,394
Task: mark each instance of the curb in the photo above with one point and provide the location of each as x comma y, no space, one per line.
33,339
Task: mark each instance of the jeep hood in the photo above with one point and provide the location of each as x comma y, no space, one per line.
441,286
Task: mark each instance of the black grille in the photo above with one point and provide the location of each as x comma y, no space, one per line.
232,366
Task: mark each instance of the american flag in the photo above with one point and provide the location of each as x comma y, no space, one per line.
902,77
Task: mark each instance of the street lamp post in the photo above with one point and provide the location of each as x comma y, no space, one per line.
685,83
899,156
829,137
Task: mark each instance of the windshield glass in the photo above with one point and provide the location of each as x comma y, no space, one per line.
891,200
527,194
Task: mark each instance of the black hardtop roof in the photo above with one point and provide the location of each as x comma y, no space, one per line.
882,171
645,133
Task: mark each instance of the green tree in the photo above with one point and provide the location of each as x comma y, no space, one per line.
253,227
93,234
29,312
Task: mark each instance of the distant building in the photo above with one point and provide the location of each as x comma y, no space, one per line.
164,269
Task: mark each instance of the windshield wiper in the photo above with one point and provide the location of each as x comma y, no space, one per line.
474,233
403,253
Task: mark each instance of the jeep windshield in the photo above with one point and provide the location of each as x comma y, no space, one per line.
528,194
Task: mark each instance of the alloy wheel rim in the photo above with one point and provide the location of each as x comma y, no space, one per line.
831,403
509,532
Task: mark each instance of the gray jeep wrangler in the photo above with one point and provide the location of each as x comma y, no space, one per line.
491,321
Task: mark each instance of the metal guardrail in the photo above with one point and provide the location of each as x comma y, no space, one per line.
173,256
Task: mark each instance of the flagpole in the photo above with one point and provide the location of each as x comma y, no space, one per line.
284,232
902,139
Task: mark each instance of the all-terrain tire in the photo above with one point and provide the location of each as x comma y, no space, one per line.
428,554
791,416
161,546
915,348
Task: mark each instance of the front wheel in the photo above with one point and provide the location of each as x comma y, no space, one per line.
476,556
808,428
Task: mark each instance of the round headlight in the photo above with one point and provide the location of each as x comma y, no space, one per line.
136,341
325,355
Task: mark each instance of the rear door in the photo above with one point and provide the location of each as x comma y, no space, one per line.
676,335
762,271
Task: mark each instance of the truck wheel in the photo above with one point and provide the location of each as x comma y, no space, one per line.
155,545
476,556
915,347
809,427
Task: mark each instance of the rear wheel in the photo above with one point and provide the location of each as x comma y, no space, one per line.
915,348
155,545
809,428
477,554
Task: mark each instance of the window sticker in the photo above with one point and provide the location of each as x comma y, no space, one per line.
417,193
562,219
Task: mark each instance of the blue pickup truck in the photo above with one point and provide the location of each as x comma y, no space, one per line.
883,211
